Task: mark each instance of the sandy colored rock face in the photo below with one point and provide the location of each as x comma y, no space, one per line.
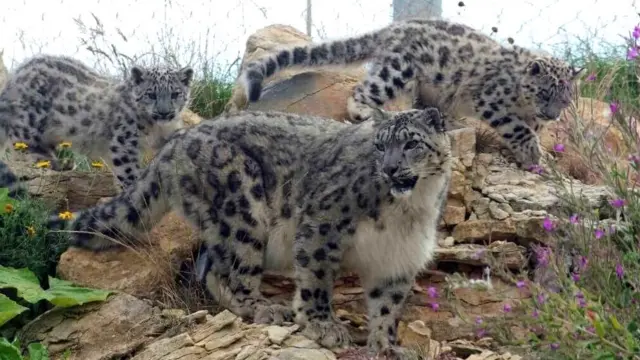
124,320
143,272
126,327
321,92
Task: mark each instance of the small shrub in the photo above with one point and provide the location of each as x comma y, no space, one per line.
589,307
24,240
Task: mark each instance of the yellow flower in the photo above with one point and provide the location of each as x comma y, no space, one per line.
31,231
65,215
43,164
8,208
97,164
65,145
20,146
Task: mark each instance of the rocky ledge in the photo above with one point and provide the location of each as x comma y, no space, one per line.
125,327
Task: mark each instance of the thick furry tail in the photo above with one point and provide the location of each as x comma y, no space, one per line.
335,52
121,221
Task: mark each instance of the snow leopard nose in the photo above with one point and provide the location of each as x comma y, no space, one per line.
390,170
165,114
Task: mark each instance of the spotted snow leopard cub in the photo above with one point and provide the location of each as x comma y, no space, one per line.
275,191
448,65
52,99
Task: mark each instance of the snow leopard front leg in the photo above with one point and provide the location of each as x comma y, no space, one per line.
517,134
318,252
519,137
125,153
385,301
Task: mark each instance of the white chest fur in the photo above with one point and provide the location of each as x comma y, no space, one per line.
402,241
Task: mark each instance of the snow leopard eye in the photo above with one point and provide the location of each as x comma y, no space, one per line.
175,94
380,147
151,95
544,94
411,145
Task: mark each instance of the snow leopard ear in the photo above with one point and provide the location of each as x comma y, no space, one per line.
575,72
186,75
137,74
434,118
537,67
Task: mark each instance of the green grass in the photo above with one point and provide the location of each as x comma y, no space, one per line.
209,96
615,80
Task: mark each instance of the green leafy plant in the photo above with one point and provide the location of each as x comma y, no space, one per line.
60,293
25,241
7,204
11,351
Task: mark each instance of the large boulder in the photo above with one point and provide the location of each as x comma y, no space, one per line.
318,91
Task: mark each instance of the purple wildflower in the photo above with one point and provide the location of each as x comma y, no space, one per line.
520,284
541,298
636,32
536,169
558,147
580,298
573,219
632,53
507,308
542,255
619,271
433,292
575,277
614,106
599,233
583,261
617,203
478,320
535,313
547,224
591,77
554,346
435,306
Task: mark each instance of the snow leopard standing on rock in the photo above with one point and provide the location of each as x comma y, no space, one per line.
278,191
53,99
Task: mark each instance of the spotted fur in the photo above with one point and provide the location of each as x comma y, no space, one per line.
275,191
52,99
447,65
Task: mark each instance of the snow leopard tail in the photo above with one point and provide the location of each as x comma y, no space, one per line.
336,52
123,220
